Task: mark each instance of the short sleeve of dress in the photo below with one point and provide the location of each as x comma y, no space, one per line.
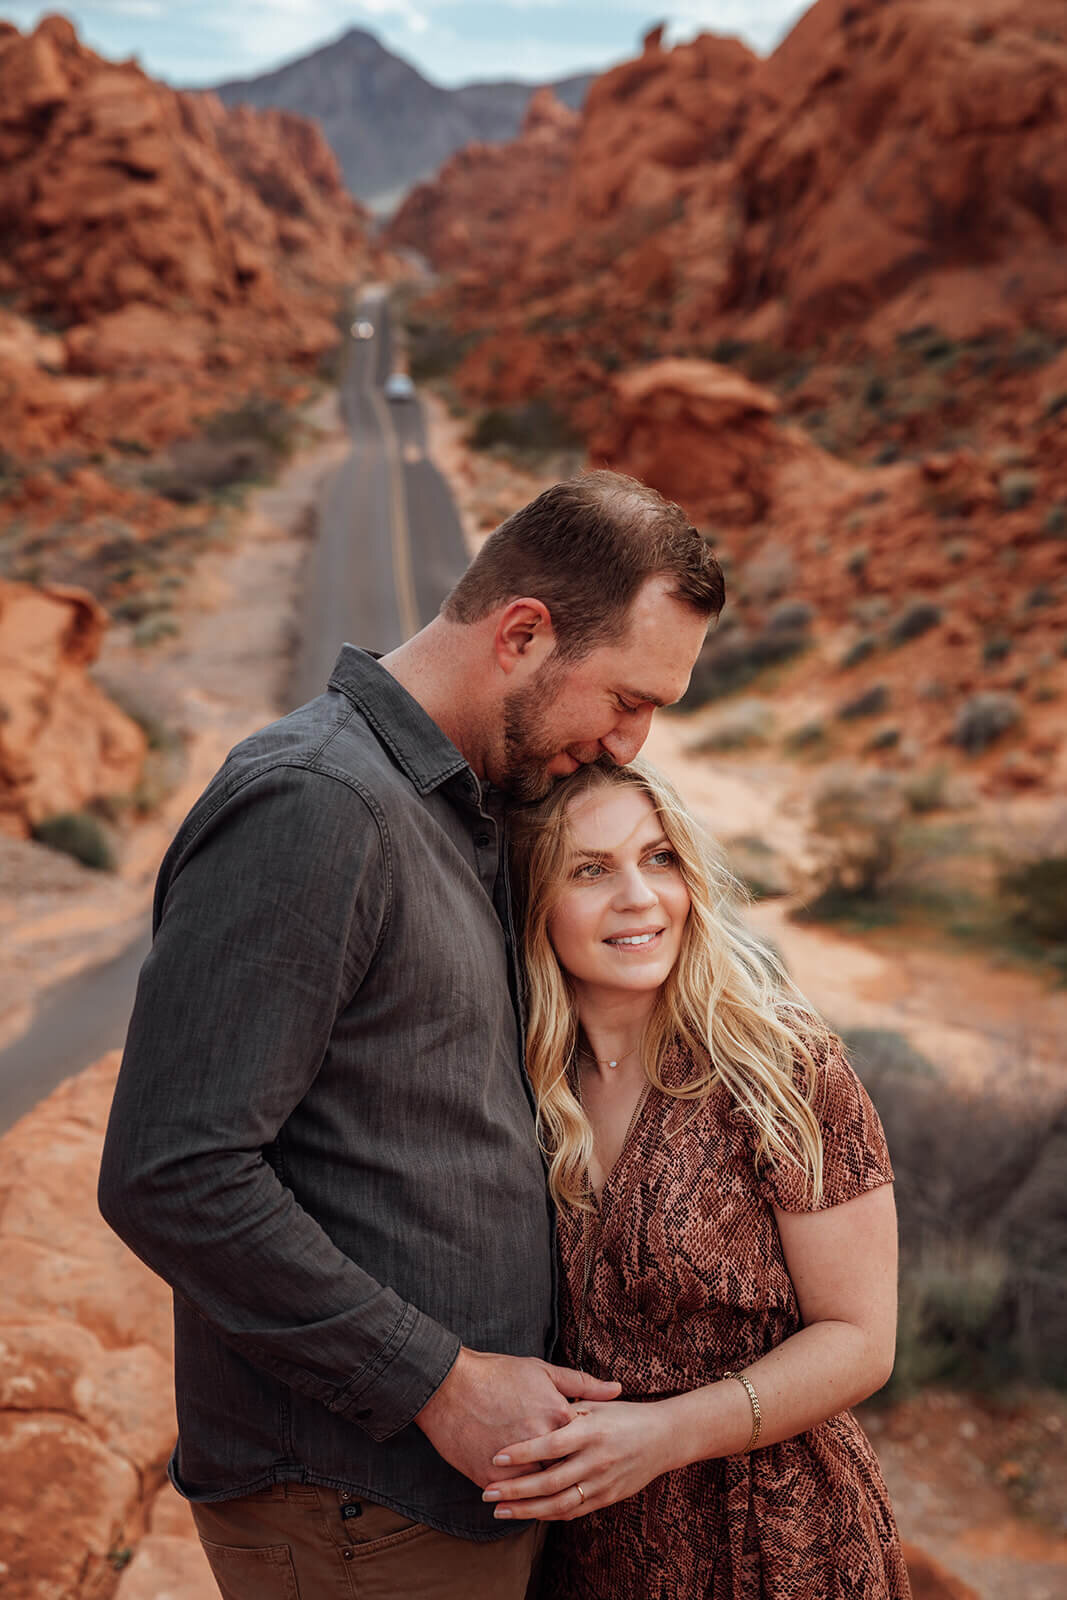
855,1155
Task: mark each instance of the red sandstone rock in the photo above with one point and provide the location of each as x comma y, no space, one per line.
62,742
189,249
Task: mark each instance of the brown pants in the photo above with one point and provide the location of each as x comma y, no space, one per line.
297,1542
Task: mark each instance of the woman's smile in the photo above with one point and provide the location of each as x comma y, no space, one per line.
617,922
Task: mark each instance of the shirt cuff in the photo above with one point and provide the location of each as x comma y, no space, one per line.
411,1366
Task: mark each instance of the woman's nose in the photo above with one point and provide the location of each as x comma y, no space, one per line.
634,890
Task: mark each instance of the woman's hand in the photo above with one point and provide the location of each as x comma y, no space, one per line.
612,1450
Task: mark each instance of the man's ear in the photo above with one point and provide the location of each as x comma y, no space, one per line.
524,637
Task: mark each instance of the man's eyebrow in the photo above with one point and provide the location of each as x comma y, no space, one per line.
643,699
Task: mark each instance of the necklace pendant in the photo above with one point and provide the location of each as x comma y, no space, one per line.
613,1063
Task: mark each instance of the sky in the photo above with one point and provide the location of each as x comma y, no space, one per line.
449,41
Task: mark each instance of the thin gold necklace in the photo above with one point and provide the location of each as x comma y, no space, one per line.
589,1244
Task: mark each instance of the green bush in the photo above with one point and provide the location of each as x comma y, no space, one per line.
997,649
739,727
1017,489
1055,523
867,704
982,1202
732,658
808,736
78,834
1036,892
914,622
885,739
984,718
859,650
534,426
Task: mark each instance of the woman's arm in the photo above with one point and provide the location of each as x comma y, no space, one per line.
843,1263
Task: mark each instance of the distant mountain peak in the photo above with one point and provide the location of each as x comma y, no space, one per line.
389,126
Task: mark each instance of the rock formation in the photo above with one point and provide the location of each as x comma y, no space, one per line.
186,253
62,741
822,300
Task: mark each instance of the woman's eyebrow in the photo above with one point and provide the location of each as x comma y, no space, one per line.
580,854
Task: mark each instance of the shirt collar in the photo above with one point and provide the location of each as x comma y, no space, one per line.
412,737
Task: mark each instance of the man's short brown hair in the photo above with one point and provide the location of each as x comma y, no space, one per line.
584,548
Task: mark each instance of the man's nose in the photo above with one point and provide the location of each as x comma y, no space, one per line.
623,743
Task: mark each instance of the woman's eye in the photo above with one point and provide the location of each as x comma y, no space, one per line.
589,871
663,858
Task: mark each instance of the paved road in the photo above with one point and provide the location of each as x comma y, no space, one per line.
390,544
389,548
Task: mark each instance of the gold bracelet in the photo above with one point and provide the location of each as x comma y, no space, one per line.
757,1414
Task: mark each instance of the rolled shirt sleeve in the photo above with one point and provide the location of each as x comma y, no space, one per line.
268,919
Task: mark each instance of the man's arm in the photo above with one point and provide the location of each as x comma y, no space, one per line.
271,919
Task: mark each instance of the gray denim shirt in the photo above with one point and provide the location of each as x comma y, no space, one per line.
322,1135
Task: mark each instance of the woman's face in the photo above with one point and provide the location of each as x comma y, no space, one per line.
617,926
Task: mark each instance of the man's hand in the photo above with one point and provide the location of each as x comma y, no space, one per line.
489,1401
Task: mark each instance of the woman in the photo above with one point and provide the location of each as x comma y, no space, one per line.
726,1225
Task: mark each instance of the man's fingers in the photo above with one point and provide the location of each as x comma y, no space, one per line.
577,1385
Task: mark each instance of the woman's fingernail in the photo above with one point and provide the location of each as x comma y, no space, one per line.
502,1511
502,1461
491,1494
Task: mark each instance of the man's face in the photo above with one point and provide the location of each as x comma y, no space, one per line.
599,708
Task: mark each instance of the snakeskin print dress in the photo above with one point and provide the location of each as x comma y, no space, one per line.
689,1281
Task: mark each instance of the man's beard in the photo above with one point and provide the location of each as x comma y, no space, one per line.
527,748
527,751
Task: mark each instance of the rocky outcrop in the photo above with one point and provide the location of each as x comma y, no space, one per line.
86,1409
62,741
187,253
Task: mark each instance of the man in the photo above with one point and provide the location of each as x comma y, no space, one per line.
322,1134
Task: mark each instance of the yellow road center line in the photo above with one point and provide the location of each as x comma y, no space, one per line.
399,534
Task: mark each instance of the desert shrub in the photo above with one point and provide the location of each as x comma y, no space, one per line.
732,658
78,834
926,791
808,736
1036,893
859,650
792,616
1039,597
912,623
856,818
1016,489
982,1202
740,727
856,565
758,866
1056,403
867,704
532,426
242,445
885,739
996,649
983,718
154,628
1055,521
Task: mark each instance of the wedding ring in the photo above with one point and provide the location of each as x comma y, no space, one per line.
581,1491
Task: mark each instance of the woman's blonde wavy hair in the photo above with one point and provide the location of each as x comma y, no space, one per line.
727,998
